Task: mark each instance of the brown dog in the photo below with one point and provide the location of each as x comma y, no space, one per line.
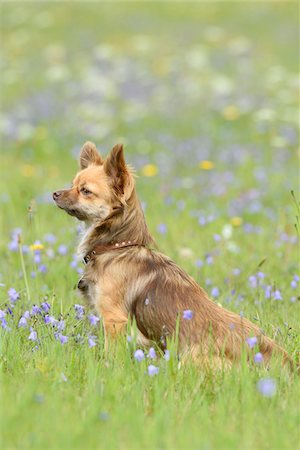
124,278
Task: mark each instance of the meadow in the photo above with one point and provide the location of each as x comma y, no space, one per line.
204,98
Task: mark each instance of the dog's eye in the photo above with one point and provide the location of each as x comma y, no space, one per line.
85,191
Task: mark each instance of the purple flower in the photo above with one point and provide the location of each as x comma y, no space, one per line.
37,257
251,341
79,309
43,268
62,249
73,264
46,306
252,281
152,353
50,319
236,271
296,278
13,295
293,284
199,263
91,341
93,319
258,358
22,322
162,228
167,355
2,314
33,274
35,310
33,335
266,387
215,292
139,355
129,339
268,291
13,246
152,370
260,275
277,295
26,314
50,238
4,323
217,237
63,339
188,314
60,325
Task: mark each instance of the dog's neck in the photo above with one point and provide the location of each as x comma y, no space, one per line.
126,223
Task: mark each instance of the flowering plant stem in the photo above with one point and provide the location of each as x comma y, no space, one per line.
23,268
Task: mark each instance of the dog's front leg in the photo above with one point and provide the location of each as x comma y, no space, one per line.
114,323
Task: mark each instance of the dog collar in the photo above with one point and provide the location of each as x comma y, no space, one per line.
100,249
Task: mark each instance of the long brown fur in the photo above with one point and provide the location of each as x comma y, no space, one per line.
141,283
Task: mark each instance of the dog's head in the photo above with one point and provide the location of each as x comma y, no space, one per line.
100,187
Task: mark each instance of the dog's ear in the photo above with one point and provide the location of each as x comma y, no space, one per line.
89,155
115,168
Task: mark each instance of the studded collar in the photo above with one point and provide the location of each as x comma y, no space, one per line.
100,249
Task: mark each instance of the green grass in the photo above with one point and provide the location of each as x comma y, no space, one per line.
178,84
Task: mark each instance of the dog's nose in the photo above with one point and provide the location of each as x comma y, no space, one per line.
56,195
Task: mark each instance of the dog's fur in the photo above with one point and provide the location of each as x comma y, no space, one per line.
141,283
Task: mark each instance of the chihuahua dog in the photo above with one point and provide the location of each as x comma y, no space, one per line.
126,279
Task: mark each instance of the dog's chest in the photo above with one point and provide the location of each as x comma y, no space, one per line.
89,289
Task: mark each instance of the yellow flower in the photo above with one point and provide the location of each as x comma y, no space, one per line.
37,247
149,170
206,165
236,221
27,170
231,112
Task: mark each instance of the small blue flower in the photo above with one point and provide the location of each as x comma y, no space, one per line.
215,292
33,335
79,309
139,355
63,339
162,228
252,281
93,319
4,323
35,310
152,370
46,306
296,278
50,320
37,257
293,284
266,387
13,295
22,322
188,314
268,291
60,325
258,358
43,268
50,238
167,355
277,295
2,314
251,341
129,339
152,353
91,341
26,314
62,250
